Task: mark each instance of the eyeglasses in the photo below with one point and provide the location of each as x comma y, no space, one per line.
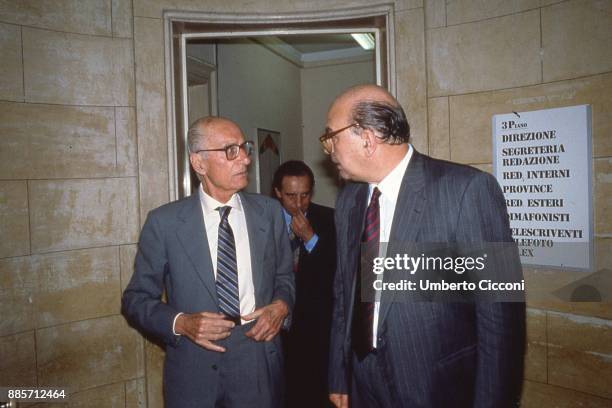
326,138
232,151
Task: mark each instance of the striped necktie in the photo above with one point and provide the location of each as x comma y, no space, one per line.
227,269
363,311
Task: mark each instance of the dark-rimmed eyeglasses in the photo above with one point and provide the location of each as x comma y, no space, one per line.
232,151
326,138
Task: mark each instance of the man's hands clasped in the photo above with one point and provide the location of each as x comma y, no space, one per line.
205,328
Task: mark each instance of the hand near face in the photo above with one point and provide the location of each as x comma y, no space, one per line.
301,226
203,328
269,320
294,195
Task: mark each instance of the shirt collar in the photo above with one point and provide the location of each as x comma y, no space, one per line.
210,205
390,185
286,215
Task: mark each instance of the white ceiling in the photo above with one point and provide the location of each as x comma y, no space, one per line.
302,50
321,42
316,49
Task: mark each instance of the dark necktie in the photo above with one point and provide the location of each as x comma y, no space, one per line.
296,243
227,269
363,311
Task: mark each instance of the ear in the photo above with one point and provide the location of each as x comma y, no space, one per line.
370,142
198,163
278,193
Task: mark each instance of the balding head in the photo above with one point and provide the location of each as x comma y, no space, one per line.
374,108
368,92
201,130
369,133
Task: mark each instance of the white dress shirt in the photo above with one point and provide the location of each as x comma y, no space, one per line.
237,221
389,190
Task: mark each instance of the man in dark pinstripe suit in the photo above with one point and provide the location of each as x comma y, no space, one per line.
414,354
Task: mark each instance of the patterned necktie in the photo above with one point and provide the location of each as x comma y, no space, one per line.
227,269
295,248
363,312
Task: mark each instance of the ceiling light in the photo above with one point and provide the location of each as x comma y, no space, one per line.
366,40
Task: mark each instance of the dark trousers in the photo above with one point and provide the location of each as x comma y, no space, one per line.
369,388
306,370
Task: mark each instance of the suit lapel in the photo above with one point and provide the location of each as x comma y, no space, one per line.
356,216
407,218
191,234
257,228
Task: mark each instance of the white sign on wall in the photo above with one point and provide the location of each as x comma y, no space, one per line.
542,160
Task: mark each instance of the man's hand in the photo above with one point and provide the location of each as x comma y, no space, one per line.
202,328
339,400
269,320
301,226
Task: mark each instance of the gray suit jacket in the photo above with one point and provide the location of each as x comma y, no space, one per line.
434,354
173,256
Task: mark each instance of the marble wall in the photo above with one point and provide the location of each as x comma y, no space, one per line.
69,199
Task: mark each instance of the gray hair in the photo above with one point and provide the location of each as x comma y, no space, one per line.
196,133
387,120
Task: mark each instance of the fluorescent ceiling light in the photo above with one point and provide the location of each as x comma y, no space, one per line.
366,40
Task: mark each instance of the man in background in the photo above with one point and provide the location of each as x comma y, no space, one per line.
313,242
223,259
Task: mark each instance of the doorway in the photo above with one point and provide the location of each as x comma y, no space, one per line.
199,47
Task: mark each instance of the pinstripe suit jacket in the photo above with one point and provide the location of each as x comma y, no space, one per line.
433,354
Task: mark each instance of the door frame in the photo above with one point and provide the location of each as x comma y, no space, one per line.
179,27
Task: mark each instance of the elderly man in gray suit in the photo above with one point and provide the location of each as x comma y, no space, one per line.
413,354
223,259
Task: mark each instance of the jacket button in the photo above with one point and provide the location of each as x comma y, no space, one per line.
214,367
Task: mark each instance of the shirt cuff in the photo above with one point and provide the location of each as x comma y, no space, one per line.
312,242
174,324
